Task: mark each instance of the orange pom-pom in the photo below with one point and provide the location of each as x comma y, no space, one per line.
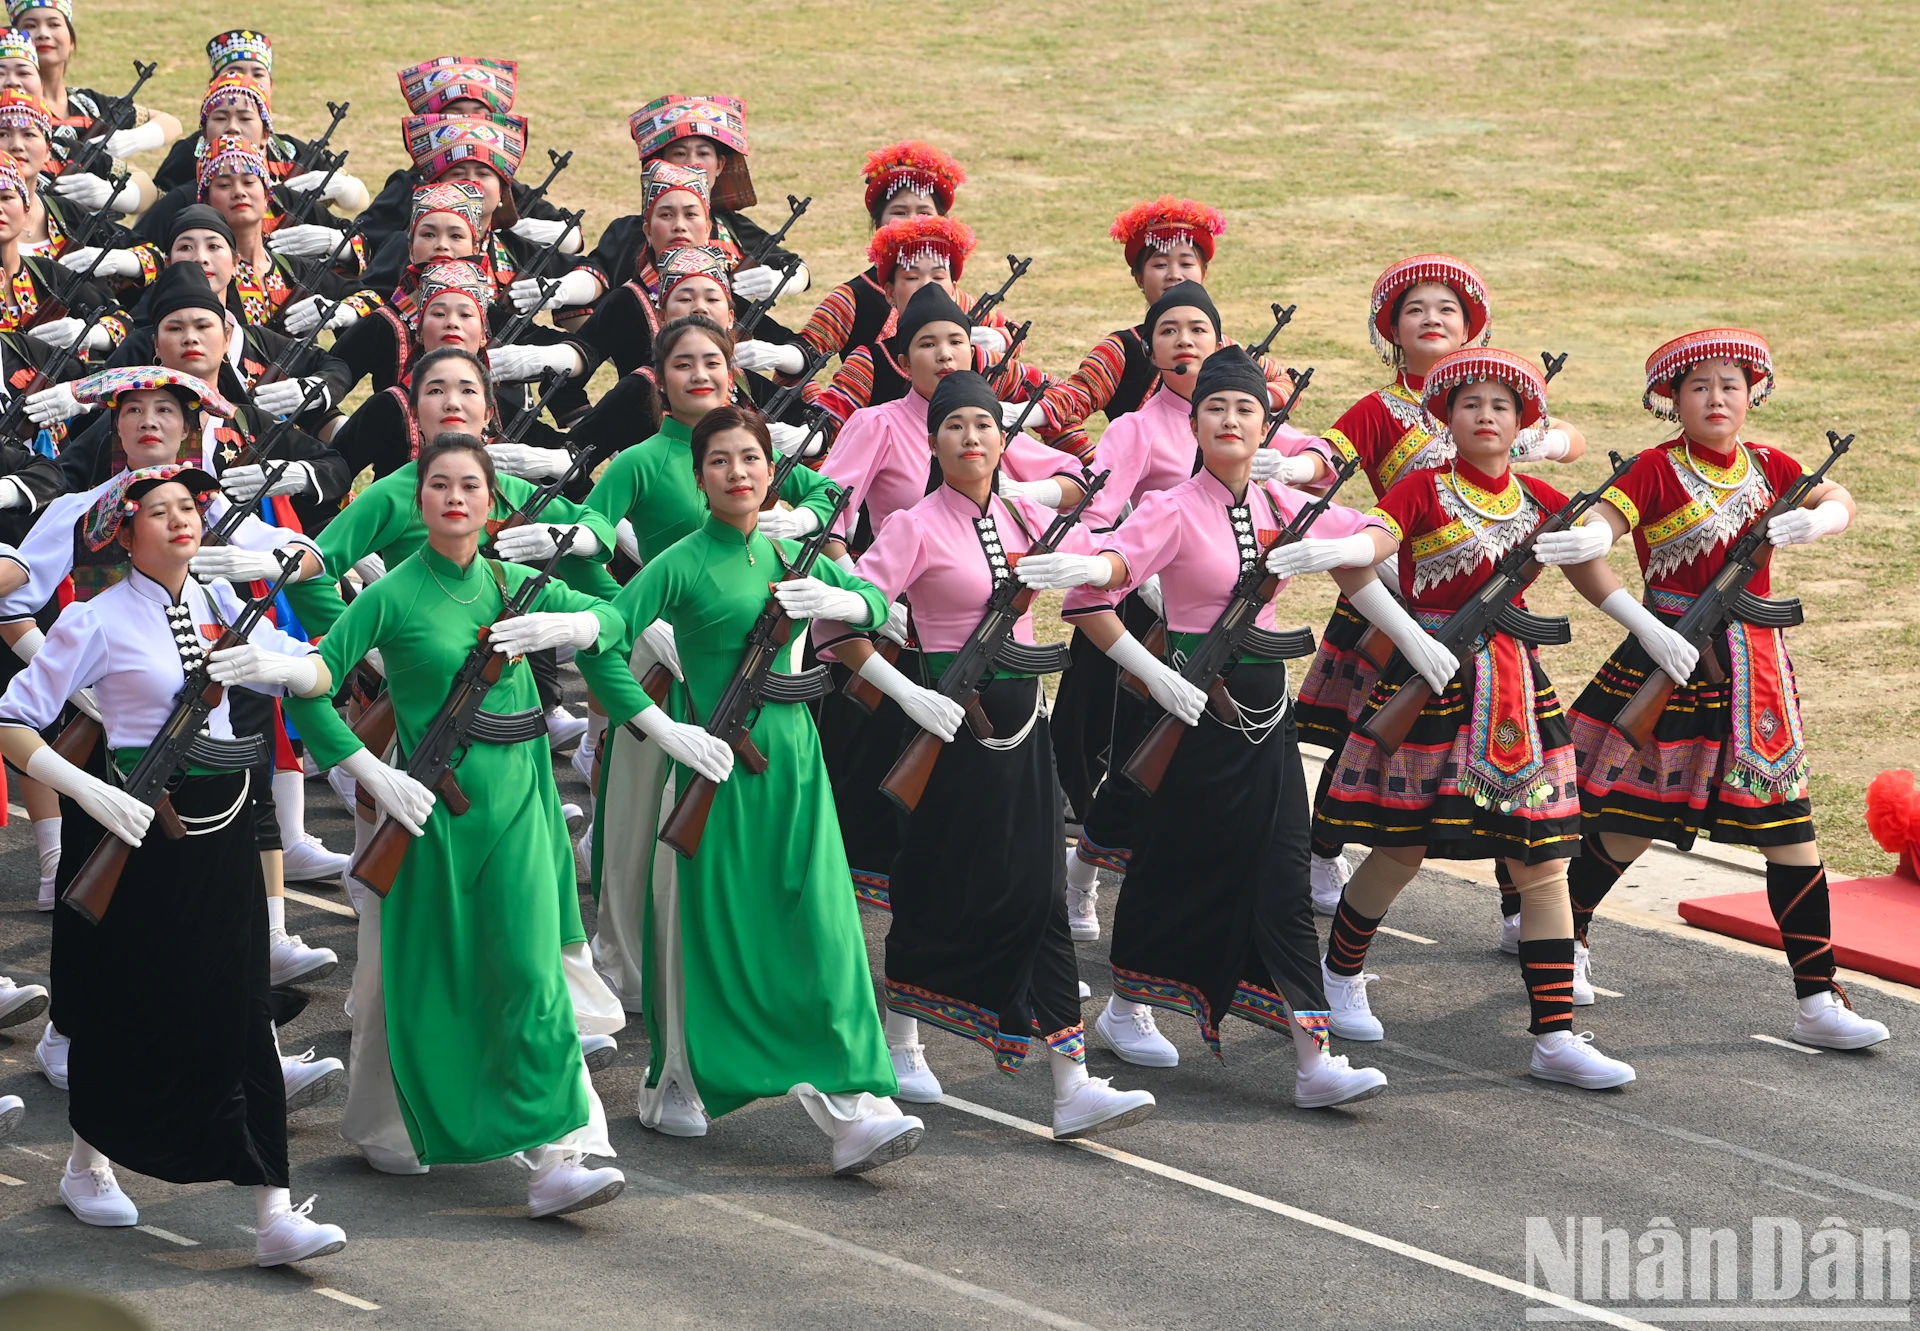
1166,220
911,164
1893,810
911,237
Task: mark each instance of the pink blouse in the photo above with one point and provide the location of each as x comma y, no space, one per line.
881,454
1153,449
1197,540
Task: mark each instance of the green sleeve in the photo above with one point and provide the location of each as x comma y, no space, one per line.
328,737
618,489
639,603
363,527
877,606
809,489
561,511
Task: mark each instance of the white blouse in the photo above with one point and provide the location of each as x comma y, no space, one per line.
122,643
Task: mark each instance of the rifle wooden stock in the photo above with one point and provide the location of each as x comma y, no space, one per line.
77,741
1636,720
380,862
91,891
1375,648
656,682
1390,722
1155,642
907,779
686,822
864,694
1147,767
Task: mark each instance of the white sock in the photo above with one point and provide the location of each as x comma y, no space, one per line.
84,1157
1081,875
290,807
1553,1039
1121,1007
269,1202
276,916
543,1160
46,837
901,1030
1069,1074
1306,1049
1814,1004
275,1028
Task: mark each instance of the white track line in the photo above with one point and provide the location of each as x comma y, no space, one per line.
1305,1217
9,1181
898,1265
321,903
347,1299
1788,1044
168,1235
1402,933
1610,993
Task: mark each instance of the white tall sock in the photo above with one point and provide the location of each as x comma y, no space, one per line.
901,1030
46,839
1121,1007
290,806
276,916
1081,875
84,1157
269,1202
1306,1048
1069,1074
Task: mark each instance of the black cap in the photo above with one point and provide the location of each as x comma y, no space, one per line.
962,388
198,217
930,305
1182,295
182,286
1231,369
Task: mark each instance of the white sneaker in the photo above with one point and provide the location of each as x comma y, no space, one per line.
1828,1020
290,1237
571,1186
94,1197
1510,935
582,760
679,1117
574,817
1328,879
1086,990
49,896
20,1002
309,861
310,1080
598,1051
1096,1107
293,962
12,1110
1351,1016
918,1085
1565,1057
51,1054
564,728
1333,1081
1135,1038
871,1142
343,786
1582,979
1083,921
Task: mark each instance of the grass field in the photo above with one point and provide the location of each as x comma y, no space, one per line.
1621,171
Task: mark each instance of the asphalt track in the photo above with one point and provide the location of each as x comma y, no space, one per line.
1228,1209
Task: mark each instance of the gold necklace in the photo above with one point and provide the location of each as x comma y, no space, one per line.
449,595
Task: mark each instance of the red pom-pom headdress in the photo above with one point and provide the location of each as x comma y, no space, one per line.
1457,274
1747,350
1474,365
1165,222
913,239
1893,811
911,164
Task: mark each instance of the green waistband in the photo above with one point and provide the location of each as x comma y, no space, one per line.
937,663
1184,643
127,759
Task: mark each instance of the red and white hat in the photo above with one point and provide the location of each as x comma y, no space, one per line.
1747,350
911,164
428,87
1165,222
912,239
1476,365
1457,274
460,275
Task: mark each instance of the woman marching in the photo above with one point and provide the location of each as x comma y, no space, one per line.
756,970
978,943
1487,768
189,917
1727,759
1215,919
465,1047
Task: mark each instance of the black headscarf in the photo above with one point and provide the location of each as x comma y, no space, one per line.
198,217
1231,369
962,388
930,305
1182,295
182,286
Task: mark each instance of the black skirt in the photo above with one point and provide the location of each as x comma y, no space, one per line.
1083,712
1217,896
979,944
859,749
189,920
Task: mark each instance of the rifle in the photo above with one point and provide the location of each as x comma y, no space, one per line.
764,306
1282,316
74,284
782,401
530,412
1215,653
254,455
969,671
446,736
1005,363
732,715
304,287
790,462
989,302
1726,597
1489,608
296,351
92,889
761,252
302,205
539,192
534,272
89,150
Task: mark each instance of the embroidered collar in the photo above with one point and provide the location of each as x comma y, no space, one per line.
1491,498
1708,466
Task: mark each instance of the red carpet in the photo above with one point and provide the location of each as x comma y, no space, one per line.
1876,923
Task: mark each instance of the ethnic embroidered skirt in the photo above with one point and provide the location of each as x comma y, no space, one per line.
1336,682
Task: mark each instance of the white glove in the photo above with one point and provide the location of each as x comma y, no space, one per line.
1543,446
541,629
1056,572
109,806
659,639
303,316
787,439
234,564
768,357
1011,412
1166,685
309,241
248,664
1804,526
627,540
50,406
810,598
578,287
1149,592
515,364
1045,493
1434,662
13,494
1270,464
1671,652
28,644
283,397
64,332
529,463
895,629
91,192
760,282
543,232
89,702
116,263
244,484
405,800
342,188
371,569
924,707
376,662
687,744
991,340
535,541
1315,556
788,524
1580,544
124,143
